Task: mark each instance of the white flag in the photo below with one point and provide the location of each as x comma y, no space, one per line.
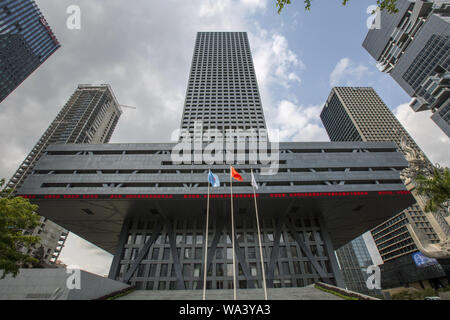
254,184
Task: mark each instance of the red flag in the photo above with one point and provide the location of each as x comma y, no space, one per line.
235,175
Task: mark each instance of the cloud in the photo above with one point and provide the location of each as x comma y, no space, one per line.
430,138
297,122
278,69
275,63
348,73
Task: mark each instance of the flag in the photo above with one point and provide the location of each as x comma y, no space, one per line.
213,179
254,184
235,175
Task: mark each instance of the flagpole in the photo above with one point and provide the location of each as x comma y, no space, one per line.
206,243
232,237
259,240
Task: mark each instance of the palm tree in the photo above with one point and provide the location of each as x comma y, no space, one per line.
436,188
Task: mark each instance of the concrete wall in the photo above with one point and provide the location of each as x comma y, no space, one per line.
50,284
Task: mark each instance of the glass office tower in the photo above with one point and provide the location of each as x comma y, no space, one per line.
354,258
26,41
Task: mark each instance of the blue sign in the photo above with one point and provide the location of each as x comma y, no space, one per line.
423,261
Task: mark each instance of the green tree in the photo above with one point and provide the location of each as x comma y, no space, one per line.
17,218
388,5
436,188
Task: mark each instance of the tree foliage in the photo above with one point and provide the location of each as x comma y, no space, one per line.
17,216
388,5
436,188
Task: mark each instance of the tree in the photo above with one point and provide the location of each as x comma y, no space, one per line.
17,220
435,187
388,5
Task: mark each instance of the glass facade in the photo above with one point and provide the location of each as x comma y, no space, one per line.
26,41
354,258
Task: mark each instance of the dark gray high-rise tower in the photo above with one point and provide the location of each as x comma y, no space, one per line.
222,89
359,114
413,46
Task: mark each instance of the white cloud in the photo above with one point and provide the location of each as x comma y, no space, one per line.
255,3
297,122
348,73
430,138
213,7
275,63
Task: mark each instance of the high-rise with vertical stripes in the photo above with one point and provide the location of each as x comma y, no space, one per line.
90,116
222,90
26,41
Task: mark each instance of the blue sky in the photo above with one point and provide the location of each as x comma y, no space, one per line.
321,38
144,49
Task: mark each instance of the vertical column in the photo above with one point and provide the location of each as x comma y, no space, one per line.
115,264
331,256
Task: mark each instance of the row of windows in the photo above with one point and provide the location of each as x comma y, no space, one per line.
139,239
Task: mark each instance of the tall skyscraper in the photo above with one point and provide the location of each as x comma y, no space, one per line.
222,89
26,41
413,46
354,258
149,210
359,114
90,116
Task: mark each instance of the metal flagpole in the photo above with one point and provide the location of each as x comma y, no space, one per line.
232,237
259,240
206,243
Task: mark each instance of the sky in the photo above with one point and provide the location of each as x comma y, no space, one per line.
143,49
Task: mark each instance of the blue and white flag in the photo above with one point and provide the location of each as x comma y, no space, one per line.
213,179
